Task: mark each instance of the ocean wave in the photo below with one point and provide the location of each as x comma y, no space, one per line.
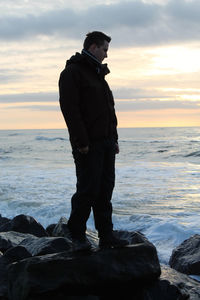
4,157
2,151
14,134
161,151
194,141
44,138
195,154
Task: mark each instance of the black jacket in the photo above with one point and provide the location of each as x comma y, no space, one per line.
86,101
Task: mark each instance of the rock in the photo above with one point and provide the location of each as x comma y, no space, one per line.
24,224
84,273
134,237
3,277
17,253
60,296
11,239
61,228
171,285
46,245
186,285
50,229
3,220
186,257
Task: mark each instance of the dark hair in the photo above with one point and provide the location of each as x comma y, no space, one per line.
95,37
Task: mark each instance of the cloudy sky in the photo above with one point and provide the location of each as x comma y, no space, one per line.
154,58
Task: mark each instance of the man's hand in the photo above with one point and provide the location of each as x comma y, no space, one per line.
84,150
116,148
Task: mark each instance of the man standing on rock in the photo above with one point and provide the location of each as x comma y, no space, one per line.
88,108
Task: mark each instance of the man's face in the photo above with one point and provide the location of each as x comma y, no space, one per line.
101,52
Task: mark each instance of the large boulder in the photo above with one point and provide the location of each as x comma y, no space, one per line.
50,229
3,220
92,273
11,239
186,257
24,224
188,287
17,253
3,277
61,229
46,245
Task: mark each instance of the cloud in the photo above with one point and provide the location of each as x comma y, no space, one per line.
141,105
141,102
8,75
122,106
71,22
35,107
136,93
129,22
29,97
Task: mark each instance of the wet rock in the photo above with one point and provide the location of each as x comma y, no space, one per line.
3,277
46,245
17,253
3,220
84,273
186,257
11,239
61,228
24,224
50,229
189,288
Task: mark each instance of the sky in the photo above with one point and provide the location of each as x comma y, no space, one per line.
154,58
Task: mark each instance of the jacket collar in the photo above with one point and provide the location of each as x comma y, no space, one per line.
102,69
85,52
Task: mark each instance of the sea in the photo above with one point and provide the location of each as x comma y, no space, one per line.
157,190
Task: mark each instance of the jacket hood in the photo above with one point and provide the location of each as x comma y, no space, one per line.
83,58
77,58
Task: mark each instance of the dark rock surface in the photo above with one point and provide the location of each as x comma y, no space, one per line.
86,272
46,245
61,228
46,267
3,220
3,277
186,257
184,283
24,224
17,253
50,229
11,239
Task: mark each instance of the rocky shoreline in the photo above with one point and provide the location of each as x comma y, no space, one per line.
39,264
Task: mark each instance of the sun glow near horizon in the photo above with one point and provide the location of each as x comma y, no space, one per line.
153,85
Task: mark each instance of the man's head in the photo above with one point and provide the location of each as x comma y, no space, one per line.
97,43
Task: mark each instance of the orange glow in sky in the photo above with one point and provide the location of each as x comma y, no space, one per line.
154,74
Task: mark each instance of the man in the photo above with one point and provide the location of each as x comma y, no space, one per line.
88,108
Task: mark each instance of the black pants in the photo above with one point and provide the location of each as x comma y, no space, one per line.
95,173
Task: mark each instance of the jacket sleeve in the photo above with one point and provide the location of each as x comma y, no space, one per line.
69,89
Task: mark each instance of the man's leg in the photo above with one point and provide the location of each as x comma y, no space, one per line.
88,171
102,206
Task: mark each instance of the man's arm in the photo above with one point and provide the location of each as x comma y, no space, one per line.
69,88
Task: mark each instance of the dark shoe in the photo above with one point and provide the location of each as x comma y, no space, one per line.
81,244
79,241
111,241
